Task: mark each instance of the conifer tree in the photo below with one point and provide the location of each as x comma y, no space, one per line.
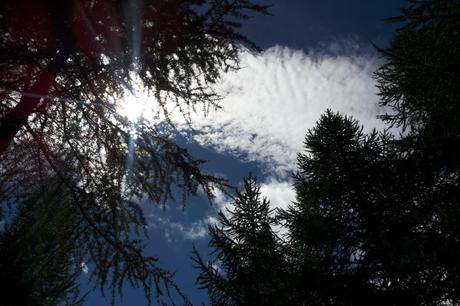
420,83
419,80
63,75
40,260
247,265
369,226
376,217
375,221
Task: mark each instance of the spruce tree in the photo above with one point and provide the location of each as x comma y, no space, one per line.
420,83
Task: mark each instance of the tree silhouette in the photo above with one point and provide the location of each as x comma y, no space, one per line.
376,217
375,221
364,229
247,268
419,80
63,75
326,225
39,259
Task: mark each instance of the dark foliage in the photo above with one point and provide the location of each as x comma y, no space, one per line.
367,227
376,217
419,81
247,265
38,253
375,221
64,67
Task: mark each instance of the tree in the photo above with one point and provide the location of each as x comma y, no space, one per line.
326,225
39,259
375,221
364,229
247,266
63,75
418,82
376,216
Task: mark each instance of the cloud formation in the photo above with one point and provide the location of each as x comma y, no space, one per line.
270,104
280,193
278,95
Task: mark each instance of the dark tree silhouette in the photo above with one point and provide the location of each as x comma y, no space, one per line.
376,217
364,229
247,265
375,221
419,81
65,66
39,260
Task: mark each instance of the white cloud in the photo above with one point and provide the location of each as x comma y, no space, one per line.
174,230
197,230
278,95
269,105
280,193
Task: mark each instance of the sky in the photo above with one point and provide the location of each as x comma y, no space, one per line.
317,55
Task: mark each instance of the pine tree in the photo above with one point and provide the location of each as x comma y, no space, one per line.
247,265
325,222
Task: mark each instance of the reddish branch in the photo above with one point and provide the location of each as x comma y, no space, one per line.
16,118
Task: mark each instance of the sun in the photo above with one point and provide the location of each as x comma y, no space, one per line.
133,105
137,102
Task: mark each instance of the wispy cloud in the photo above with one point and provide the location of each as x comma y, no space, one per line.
280,193
174,230
278,95
270,104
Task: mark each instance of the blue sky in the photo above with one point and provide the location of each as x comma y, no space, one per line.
318,55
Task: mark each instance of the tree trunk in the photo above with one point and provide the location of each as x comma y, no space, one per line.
17,117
